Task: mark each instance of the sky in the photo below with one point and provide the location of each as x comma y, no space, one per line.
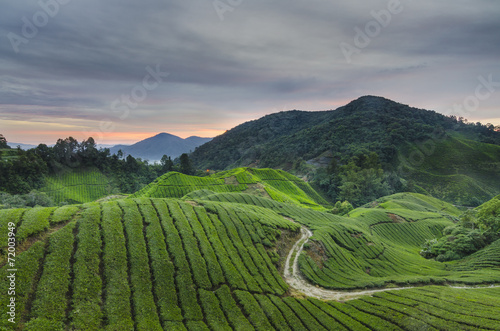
121,70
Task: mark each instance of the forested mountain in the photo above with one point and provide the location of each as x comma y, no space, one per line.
154,148
370,122
411,145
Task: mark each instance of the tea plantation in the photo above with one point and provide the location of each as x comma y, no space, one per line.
209,259
77,186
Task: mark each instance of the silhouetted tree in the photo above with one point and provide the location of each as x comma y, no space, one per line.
3,142
186,167
166,164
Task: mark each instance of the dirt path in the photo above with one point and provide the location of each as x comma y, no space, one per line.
297,281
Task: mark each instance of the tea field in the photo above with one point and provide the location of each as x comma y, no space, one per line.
277,185
78,186
210,261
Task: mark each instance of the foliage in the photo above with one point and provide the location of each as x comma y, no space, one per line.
488,217
475,230
78,186
43,167
419,150
50,302
25,280
86,298
185,165
3,142
359,181
373,123
22,173
31,199
166,163
342,208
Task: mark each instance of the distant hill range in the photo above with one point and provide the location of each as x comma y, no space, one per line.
154,148
23,146
445,156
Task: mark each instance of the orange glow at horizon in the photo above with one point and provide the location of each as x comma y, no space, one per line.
36,137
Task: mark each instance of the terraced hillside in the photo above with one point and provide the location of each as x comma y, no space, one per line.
216,261
153,264
275,184
79,186
455,169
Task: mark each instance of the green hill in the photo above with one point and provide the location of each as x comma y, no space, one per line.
8,154
432,153
275,184
77,186
459,170
214,261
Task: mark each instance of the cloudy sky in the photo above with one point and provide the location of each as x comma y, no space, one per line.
122,70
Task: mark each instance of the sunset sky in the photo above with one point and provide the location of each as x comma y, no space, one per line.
122,70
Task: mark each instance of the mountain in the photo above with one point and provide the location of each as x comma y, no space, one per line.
370,122
439,155
154,148
23,146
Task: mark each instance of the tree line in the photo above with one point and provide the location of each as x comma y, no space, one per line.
22,171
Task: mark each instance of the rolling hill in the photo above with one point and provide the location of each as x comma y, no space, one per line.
275,184
440,155
459,169
216,259
77,186
154,148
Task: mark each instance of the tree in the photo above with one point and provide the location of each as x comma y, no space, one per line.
88,151
360,185
132,164
342,208
488,217
166,164
186,167
44,152
3,142
65,152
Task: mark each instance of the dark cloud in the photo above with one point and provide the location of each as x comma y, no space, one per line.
261,57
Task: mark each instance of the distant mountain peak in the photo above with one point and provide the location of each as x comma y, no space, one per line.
153,148
371,99
164,134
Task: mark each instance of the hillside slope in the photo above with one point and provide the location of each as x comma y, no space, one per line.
459,169
440,155
275,184
165,264
77,186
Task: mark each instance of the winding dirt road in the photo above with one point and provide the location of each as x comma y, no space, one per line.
297,281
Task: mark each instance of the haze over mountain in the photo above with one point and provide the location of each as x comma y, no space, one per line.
155,147
23,146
